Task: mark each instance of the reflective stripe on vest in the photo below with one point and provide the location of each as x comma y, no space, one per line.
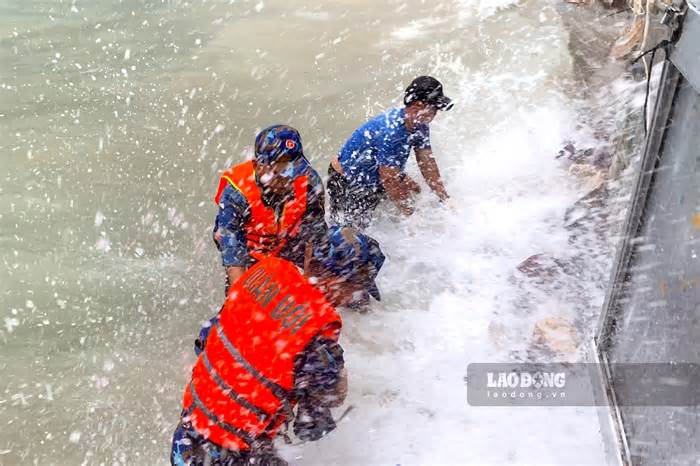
265,234
244,378
213,418
280,392
226,388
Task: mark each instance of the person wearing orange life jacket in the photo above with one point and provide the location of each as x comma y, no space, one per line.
272,347
271,205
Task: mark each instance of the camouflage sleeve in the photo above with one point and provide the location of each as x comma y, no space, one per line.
319,372
314,226
228,230
319,385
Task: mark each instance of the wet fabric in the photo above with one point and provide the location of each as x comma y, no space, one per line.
352,255
318,371
242,383
267,229
234,212
317,375
351,204
382,141
191,449
275,141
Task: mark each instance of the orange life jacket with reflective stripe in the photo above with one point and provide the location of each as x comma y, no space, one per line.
241,386
265,234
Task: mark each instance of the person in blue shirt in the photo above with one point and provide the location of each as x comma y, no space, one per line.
370,166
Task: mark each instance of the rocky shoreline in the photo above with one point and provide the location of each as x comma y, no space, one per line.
604,39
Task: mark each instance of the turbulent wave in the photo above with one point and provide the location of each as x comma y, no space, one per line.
116,119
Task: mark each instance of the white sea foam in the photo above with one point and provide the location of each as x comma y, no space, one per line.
447,281
488,8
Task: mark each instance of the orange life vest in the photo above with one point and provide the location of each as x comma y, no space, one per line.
241,386
265,234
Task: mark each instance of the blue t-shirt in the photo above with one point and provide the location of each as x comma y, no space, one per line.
382,141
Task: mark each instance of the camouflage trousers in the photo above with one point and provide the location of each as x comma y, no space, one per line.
189,448
351,205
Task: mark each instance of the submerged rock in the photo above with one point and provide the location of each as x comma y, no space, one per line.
598,157
588,210
629,41
589,176
542,268
555,334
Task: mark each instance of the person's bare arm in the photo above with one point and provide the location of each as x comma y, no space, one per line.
429,168
233,273
397,188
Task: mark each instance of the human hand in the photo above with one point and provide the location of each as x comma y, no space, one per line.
448,204
411,185
406,210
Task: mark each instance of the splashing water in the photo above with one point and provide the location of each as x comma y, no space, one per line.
115,118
